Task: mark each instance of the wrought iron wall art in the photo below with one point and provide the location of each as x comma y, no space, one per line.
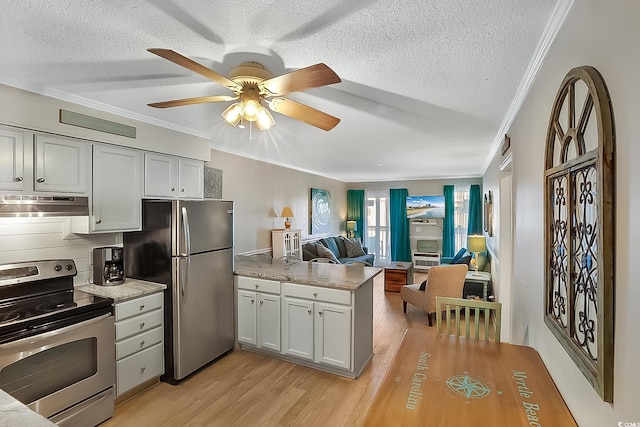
488,213
579,225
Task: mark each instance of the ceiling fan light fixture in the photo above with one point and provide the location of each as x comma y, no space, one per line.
233,113
265,119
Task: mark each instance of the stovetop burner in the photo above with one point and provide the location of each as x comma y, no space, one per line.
8,317
37,294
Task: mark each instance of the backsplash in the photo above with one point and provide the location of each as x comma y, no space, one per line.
28,239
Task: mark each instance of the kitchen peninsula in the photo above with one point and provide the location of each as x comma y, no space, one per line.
315,314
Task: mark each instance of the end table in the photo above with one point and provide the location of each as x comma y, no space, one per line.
396,275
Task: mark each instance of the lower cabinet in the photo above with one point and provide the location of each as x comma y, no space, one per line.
259,312
315,329
311,324
139,341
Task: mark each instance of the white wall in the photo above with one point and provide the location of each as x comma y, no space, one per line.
260,190
604,35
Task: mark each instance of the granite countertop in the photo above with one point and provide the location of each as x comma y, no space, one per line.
340,276
15,414
131,288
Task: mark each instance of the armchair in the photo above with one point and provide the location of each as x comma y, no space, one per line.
444,280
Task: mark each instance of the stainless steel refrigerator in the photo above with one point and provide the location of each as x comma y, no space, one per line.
188,246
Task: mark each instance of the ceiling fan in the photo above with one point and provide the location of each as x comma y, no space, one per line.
253,86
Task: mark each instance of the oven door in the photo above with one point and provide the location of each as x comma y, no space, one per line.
58,369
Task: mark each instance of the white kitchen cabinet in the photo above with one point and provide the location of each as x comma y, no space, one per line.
259,312
139,341
318,330
50,164
297,328
12,160
61,165
170,177
332,333
116,203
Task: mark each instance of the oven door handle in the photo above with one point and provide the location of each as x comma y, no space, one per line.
34,339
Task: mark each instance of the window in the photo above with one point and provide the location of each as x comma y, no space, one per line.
579,287
461,215
377,238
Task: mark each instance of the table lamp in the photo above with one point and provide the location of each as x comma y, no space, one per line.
475,245
352,227
287,213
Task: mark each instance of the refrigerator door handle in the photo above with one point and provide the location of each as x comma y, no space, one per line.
185,233
184,277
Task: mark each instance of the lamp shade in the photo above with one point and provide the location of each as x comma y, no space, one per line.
477,243
286,212
352,226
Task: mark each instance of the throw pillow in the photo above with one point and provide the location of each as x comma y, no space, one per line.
354,248
423,285
464,260
458,255
326,253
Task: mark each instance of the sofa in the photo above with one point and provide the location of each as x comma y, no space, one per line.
344,250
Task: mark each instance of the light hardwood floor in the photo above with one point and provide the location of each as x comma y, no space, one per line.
248,389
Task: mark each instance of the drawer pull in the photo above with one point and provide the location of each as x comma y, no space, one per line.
257,286
142,325
40,180
141,307
143,369
320,313
315,294
309,311
261,302
18,179
142,343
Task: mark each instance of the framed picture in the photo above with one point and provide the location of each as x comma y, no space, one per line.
319,211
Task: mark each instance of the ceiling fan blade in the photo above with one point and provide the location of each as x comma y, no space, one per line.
305,78
304,113
187,63
189,101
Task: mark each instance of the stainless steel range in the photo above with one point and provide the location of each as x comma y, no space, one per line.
57,348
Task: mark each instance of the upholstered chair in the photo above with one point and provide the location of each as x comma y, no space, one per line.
442,281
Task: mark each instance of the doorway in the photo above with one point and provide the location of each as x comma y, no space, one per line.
377,237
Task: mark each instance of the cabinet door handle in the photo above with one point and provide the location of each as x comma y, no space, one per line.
320,313
309,311
40,179
142,369
141,307
257,286
141,325
252,300
182,190
173,188
18,179
141,343
98,221
315,294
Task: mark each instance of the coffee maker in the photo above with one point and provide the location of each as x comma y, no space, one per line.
108,266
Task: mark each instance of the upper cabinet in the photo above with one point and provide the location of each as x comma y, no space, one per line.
51,164
11,160
61,165
116,203
169,177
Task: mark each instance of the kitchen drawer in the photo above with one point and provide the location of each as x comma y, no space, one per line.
315,293
138,368
255,284
138,342
135,325
138,306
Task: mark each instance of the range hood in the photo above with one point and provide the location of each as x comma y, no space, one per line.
36,206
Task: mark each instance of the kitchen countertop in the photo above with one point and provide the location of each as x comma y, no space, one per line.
340,276
131,288
15,414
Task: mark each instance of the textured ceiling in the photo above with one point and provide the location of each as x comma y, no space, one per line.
425,85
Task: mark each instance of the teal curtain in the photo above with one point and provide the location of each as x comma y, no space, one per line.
400,246
475,211
355,211
448,230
